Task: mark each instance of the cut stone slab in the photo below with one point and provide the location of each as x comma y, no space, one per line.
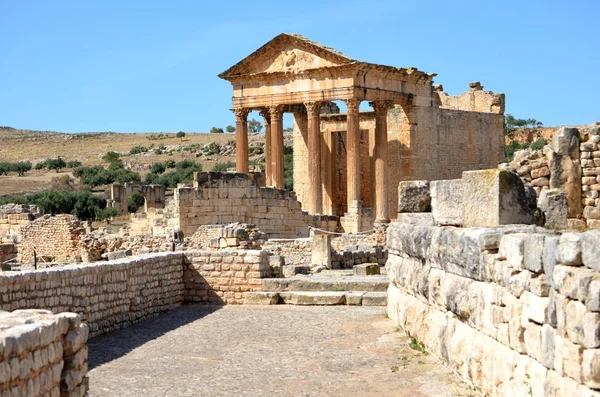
553,202
494,197
414,196
321,250
313,298
261,298
116,254
566,142
445,198
292,270
302,283
354,298
416,218
367,269
374,299
565,174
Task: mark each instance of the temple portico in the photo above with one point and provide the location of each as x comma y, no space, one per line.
342,170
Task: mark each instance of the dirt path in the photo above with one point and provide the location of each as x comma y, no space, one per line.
265,351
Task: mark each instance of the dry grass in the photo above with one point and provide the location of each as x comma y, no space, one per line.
35,146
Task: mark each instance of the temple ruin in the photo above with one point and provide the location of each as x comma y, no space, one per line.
349,165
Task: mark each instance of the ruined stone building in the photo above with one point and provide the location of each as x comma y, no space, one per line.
350,164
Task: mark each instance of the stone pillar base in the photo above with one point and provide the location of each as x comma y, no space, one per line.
357,219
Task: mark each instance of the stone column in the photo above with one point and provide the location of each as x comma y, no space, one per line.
380,154
276,112
268,170
315,199
352,150
241,139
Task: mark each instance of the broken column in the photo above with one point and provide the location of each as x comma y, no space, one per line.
321,250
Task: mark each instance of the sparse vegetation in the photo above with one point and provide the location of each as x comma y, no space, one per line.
415,345
215,130
180,135
223,167
98,175
111,157
184,171
135,201
138,149
514,146
20,168
230,128
288,167
83,204
254,126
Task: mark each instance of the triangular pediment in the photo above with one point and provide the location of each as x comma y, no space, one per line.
287,53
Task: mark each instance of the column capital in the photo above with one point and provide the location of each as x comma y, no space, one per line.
266,113
313,108
276,111
352,104
381,107
241,114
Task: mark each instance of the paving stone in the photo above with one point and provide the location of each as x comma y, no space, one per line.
261,298
313,298
374,299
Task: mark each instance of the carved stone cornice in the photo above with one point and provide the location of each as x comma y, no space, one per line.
352,105
241,114
276,112
381,107
313,108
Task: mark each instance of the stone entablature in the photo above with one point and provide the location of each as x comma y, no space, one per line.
513,310
43,354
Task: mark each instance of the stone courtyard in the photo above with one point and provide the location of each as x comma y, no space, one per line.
266,351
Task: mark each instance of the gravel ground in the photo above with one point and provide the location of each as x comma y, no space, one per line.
265,351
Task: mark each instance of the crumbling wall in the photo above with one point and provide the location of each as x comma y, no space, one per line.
44,354
222,198
514,310
54,237
232,236
154,196
12,217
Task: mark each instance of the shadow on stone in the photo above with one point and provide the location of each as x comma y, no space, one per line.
116,344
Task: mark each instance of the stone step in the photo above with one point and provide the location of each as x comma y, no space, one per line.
317,298
351,283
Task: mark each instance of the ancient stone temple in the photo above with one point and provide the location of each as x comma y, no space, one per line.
350,164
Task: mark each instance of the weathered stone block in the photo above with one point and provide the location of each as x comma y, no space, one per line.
445,198
261,298
553,203
565,174
512,247
569,249
590,247
566,142
416,218
321,250
374,299
591,368
366,269
495,197
414,196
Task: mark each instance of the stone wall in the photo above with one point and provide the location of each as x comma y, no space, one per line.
224,276
154,196
222,198
55,238
514,310
107,295
12,217
43,354
114,294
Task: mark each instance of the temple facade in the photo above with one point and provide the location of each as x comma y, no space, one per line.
349,164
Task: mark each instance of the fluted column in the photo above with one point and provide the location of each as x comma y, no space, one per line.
241,139
268,170
380,154
276,112
353,150
315,199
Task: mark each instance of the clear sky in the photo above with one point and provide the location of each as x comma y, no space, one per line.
145,65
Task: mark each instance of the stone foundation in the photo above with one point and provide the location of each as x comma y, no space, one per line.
43,354
514,310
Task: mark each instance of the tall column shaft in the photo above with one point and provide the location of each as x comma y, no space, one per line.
380,154
353,151
277,146
268,170
315,199
241,139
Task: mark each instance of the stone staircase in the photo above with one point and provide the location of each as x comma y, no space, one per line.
329,288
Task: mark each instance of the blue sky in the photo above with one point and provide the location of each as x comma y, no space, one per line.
144,65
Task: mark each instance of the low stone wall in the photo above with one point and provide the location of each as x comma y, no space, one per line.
54,237
514,310
114,294
43,354
107,295
224,276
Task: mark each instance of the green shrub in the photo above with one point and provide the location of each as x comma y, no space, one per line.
183,173
157,168
138,150
539,144
83,204
223,167
111,157
73,164
40,166
135,201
